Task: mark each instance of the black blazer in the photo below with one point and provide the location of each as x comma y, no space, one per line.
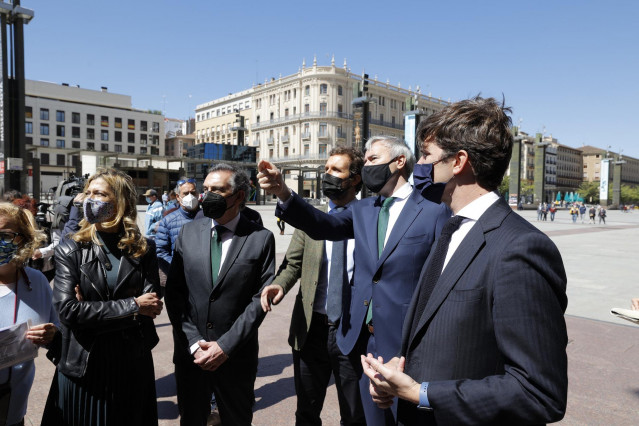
231,312
101,312
492,339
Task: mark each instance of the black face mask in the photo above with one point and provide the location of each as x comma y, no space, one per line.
214,205
332,186
375,177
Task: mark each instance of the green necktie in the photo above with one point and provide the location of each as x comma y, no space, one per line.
382,226
216,251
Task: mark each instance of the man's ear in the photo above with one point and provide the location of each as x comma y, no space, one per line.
401,161
356,179
461,162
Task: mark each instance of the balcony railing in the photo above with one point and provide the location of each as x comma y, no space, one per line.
340,135
322,135
387,124
270,141
302,116
306,136
285,139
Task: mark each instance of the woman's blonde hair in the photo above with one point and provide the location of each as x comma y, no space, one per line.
32,237
132,242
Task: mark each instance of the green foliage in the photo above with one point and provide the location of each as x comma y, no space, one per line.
629,194
504,187
589,191
527,187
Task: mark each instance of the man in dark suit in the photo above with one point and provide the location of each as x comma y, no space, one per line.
485,339
393,234
213,299
325,269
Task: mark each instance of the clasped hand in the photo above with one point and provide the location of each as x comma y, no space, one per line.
149,304
209,356
389,380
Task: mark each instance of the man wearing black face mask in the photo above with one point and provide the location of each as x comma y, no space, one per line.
325,269
213,299
393,233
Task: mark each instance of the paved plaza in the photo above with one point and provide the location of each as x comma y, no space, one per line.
602,265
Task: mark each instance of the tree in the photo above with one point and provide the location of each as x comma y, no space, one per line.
504,188
589,191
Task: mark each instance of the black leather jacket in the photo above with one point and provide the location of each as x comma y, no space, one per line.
101,316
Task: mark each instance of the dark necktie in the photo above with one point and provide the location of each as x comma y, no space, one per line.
382,227
435,267
337,277
216,251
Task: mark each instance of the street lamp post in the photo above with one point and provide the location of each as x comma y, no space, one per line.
12,94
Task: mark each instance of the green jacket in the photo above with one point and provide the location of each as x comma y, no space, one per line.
302,262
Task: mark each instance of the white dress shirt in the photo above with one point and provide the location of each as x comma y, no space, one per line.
401,195
472,212
321,293
227,237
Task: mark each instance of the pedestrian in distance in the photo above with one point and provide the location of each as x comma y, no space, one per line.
106,292
591,214
553,210
582,211
602,215
153,213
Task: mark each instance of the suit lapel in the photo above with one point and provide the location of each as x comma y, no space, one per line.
470,246
404,221
372,223
93,272
239,238
204,238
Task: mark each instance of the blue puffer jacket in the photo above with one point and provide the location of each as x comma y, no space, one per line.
168,231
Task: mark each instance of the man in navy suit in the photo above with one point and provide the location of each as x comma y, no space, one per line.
484,340
393,234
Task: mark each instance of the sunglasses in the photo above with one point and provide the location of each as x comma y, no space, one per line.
8,237
183,181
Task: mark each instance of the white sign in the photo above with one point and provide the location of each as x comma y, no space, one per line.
15,163
603,183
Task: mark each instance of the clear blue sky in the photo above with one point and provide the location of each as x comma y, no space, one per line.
570,67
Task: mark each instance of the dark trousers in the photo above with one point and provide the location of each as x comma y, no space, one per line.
313,365
233,384
375,416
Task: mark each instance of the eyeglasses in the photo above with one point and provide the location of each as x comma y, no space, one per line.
8,237
183,181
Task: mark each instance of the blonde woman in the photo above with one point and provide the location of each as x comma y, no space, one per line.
25,295
106,292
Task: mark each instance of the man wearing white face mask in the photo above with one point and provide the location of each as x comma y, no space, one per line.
170,225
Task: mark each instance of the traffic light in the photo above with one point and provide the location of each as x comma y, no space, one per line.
364,84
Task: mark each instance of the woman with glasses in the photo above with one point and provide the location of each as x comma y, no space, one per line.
105,290
25,296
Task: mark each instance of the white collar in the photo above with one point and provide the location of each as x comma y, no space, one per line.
231,225
478,207
403,191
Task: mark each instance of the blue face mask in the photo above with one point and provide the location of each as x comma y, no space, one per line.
148,200
423,181
7,252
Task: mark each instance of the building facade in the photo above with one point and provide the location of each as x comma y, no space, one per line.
592,157
297,119
66,125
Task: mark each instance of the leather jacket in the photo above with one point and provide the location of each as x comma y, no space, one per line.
103,316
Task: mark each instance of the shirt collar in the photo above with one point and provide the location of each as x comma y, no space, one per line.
478,207
231,225
403,191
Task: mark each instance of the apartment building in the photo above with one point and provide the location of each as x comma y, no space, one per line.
592,157
300,117
68,124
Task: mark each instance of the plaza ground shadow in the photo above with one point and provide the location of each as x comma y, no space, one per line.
273,365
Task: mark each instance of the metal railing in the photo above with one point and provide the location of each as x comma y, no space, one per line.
302,116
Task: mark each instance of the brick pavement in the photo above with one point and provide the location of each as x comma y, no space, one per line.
603,352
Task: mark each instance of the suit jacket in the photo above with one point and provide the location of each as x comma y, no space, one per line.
229,313
491,340
389,279
303,262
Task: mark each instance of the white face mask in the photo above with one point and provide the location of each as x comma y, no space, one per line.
190,202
